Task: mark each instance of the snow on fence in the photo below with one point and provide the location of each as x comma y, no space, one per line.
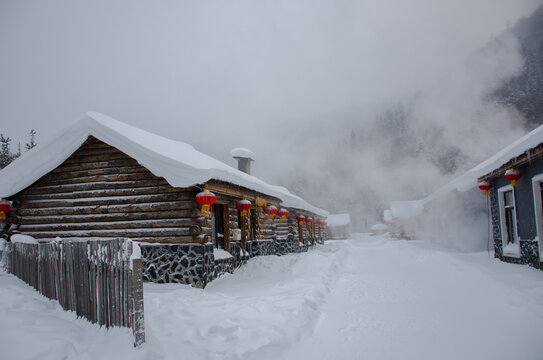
100,280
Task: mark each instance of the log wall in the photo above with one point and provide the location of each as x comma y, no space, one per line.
101,192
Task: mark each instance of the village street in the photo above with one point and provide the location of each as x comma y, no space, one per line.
367,297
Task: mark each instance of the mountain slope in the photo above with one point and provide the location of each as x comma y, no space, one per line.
525,91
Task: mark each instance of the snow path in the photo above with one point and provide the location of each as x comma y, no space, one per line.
368,297
406,300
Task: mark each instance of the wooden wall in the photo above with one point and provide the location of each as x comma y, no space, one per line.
228,195
101,192
286,227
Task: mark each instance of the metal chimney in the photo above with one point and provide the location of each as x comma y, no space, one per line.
244,157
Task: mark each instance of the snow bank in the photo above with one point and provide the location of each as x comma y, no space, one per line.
179,163
258,312
512,249
220,254
23,239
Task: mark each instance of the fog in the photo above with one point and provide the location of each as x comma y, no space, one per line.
315,88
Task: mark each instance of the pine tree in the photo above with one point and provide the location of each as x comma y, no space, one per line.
5,155
32,143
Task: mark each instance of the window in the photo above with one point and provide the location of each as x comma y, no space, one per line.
537,186
510,226
508,221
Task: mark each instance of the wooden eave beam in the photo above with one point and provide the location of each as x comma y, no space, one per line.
304,212
527,157
231,190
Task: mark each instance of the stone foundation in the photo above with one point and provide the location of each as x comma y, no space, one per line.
179,263
195,264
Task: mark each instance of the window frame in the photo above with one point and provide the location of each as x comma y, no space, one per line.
503,222
537,182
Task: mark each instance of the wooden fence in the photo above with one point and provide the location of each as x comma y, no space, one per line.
96,279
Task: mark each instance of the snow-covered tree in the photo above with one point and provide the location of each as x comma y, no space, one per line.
32,142
5,155
18,153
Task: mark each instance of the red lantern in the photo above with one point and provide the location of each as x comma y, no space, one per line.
300,219
513,175
206,198
283,213
308,220
5,207
243,206
485,186
321,222
270,211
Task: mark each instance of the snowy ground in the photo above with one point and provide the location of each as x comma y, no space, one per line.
368,297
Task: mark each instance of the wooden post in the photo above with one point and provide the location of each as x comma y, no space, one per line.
226,225
300,232
320,233
244,232
258,210
138,326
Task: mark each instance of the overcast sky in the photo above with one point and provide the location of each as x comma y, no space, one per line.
221,74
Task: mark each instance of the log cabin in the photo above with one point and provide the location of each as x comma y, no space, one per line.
515,191
101,178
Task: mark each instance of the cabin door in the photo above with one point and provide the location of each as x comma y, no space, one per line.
218,226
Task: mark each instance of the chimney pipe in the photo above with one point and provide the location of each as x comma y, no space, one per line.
244,157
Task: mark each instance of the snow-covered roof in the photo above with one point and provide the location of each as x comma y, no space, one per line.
242,153
338,219
179,163
469,179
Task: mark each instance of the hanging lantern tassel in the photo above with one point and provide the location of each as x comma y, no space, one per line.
513,175
5,207
485,186
283,213
243,206
206,198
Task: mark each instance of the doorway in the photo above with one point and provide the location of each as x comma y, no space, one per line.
218,226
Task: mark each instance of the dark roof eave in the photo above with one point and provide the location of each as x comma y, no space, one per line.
528,157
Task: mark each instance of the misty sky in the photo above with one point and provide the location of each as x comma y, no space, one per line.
269,75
